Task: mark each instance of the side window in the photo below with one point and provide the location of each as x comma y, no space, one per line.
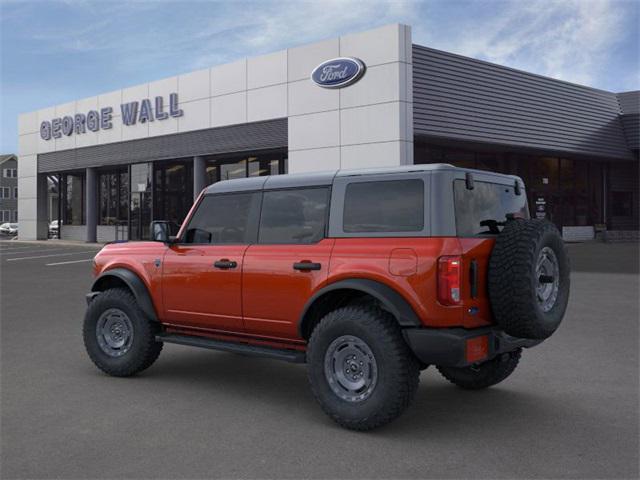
384,206
224,219
294,216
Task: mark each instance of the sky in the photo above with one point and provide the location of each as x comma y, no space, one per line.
55,51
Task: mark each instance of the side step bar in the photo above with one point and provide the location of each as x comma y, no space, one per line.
293,356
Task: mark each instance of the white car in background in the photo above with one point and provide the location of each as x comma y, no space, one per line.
9,228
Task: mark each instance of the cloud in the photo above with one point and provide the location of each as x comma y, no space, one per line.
569,40
59,50
266,26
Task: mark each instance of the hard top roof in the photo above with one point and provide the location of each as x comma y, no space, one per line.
313,179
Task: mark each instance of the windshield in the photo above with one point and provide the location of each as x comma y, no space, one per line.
487,201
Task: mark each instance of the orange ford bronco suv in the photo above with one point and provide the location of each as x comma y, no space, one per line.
367,276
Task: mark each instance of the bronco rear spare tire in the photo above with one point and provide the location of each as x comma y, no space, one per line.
529,278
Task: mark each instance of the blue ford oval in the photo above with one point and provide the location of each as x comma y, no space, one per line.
338,72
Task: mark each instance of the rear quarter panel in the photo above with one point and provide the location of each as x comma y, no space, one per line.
389,260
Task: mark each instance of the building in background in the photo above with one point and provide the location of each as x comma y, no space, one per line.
9,189
118,160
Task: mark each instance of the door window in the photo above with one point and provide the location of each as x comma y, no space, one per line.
224,219
296,216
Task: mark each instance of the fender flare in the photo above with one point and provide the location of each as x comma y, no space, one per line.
135,284
387,296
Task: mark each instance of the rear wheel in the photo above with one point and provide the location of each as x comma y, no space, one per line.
360,369
484,375
118,337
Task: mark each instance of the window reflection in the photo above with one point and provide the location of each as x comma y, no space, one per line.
241,166
113,195
73,199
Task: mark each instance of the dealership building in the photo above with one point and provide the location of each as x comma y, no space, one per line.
107,165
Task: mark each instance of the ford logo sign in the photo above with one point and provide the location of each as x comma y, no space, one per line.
338,73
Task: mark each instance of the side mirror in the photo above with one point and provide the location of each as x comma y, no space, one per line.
162,230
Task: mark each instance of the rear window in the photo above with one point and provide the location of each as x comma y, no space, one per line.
384,206
487,201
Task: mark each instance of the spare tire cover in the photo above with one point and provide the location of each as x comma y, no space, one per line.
529,278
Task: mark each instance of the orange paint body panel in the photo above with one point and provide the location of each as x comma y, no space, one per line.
391,261
274,293
262,298
198,294
140,258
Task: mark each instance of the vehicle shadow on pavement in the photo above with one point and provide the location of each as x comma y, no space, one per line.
439,408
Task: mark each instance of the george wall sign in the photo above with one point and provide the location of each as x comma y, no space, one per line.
338,72
94,120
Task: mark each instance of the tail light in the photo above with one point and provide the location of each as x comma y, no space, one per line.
449,271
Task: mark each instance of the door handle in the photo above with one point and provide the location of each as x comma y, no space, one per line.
306,265
225,264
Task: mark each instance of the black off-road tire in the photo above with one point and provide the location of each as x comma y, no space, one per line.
397,368
513,280
484,375
144,349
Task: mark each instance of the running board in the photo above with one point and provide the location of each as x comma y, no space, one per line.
294,356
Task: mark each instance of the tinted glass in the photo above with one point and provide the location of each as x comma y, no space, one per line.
294,216
73,199
223,219
386,206
487,201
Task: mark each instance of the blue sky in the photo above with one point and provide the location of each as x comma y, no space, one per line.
57,51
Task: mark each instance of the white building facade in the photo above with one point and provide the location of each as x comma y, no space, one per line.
118,160
368,123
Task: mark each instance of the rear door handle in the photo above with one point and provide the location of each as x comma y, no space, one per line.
306,265
225,264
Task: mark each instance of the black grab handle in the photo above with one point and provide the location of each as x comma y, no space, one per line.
306,266
225,264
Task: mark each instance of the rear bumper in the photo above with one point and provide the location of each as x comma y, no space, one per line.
458,347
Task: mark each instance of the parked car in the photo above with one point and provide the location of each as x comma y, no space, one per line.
367,276
54,229
9,229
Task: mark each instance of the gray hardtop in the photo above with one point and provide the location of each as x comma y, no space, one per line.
324,178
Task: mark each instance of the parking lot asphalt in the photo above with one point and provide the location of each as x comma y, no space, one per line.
569,411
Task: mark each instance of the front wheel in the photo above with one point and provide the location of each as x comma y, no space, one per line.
360,368
118,337
476,377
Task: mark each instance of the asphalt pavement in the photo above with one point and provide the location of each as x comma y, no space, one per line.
569,411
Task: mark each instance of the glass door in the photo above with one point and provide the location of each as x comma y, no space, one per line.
141,201
172,191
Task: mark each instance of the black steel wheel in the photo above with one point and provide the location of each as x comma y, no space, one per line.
361,371
118,337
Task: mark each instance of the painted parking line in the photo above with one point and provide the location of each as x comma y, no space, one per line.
52,255
25,250
70,261
17,246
